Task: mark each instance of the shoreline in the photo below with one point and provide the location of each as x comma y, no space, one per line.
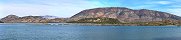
89,24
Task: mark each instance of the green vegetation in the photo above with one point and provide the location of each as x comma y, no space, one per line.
158,23
116,21
97,21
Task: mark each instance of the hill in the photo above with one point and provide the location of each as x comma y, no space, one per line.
125,14
31,19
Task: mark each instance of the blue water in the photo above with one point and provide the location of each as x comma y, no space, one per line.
22,31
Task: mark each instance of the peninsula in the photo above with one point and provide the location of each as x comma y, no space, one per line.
107,15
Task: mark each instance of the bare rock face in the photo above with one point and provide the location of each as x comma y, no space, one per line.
125,14
30,19
10,18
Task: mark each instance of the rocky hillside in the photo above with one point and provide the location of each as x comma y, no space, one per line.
30,19
125,14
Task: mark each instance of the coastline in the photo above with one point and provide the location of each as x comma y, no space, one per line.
87,24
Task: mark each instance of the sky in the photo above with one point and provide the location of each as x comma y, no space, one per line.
68,8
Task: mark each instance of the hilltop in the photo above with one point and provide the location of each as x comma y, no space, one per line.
125,14
107,15
32,19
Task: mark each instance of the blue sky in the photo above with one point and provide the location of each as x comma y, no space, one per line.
67,8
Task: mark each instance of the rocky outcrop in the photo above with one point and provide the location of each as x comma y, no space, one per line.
125,14
30,19
10,18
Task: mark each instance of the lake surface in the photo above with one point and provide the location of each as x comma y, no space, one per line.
32,31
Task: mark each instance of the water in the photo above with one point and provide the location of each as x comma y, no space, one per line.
22,31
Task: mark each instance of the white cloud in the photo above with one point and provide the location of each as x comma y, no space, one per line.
176,11
160,2
164,2
24,9
61,8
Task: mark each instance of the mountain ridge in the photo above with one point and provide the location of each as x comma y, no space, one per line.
125,14
31,19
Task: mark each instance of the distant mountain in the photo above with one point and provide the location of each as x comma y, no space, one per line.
107,15
10,18
31,19
125,14
49,17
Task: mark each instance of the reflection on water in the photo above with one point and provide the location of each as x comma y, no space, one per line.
78,32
